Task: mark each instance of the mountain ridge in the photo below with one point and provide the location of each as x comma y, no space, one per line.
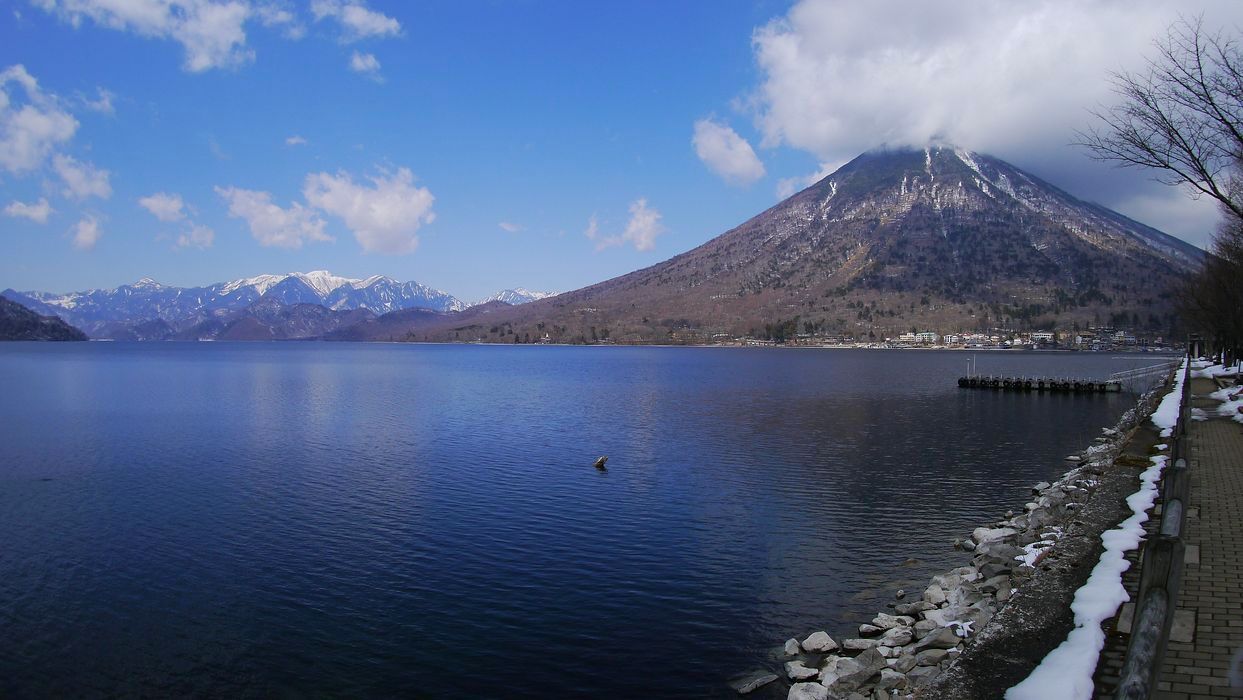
897,238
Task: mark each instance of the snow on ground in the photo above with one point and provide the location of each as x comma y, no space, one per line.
1166,415
1231,403
1067,671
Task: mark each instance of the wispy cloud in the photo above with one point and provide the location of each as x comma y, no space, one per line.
273,225
357,21
726,153
164,206
86,233
212,34
366,64
641,229
295,140
510,227
30,128
196,237
82,180
37,212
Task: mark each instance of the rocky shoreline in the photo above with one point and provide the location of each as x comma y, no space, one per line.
906,651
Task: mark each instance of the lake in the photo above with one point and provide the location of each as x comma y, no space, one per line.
293,519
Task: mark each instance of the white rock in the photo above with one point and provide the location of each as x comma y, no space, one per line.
934,594
897,636
819,642
791,647
798,672
858,644
888,622
992,534
808,691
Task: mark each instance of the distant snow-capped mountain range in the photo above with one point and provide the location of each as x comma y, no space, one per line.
517,296
146,300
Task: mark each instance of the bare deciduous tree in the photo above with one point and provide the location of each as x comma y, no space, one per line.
1183,117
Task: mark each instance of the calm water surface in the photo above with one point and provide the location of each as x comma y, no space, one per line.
285,520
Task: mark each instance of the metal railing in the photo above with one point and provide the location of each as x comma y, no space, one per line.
1162,572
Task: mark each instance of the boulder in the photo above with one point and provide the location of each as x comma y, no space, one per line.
798,672
941,638
1040,487
911,609
791,647
834,667
995,583
934,594
808,691
890,679
857,644
888,622
866,630
923,627
904,663
897,637
754,683
819,642
922,675
987,534
869,662
930,657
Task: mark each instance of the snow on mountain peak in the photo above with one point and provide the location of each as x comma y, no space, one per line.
518,295
323,281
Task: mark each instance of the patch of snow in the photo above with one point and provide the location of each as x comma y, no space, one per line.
363,284
1067,671
323,281
1231,403
262,283
1166,415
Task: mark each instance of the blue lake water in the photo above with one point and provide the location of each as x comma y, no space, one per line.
285,520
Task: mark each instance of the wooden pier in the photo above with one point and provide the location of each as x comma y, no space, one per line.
1040,384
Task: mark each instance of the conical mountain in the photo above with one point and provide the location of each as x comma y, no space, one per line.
936,239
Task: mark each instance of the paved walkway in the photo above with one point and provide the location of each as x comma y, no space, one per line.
1213,588
1210,607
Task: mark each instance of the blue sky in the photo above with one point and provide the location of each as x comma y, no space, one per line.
476,146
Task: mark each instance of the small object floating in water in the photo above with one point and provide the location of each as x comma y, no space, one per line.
600,462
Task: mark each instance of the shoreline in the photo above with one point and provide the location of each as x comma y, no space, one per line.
980,628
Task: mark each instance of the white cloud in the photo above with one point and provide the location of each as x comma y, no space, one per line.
197,237
385,217
212,32
1001,77
30,129
271,15
102,102
365,63
295,140
86,233
788,186
726,153
270,224
641,230
37,212
81,180
510,227
164,206
357,22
